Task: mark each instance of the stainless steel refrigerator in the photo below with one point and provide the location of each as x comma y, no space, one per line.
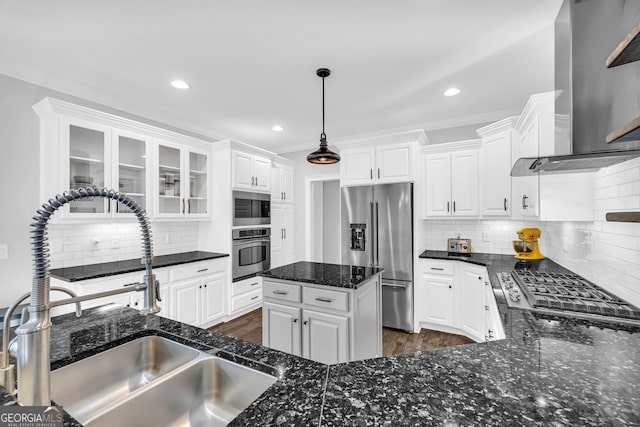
377,230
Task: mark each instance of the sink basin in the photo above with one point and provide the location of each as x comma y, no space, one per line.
92,384
210,392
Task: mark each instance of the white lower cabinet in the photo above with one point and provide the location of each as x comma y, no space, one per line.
321,323
456,297
246,295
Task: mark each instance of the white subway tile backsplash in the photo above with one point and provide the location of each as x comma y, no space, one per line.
71,244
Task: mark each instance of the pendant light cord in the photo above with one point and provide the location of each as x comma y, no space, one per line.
323,137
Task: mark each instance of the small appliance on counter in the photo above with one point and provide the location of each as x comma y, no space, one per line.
459,246
527,246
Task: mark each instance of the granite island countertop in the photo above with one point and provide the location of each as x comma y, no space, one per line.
548,371
94,271
333,275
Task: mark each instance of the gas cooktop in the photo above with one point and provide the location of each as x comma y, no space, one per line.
564,293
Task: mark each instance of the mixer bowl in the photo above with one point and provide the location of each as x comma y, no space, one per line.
522,247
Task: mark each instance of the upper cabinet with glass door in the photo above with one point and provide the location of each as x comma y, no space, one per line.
182,181
130,171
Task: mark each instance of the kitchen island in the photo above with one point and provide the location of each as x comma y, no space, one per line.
549,370
330,313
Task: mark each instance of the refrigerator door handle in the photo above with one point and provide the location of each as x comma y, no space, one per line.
377,246
373,236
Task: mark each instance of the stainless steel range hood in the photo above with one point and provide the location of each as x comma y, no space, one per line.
592,101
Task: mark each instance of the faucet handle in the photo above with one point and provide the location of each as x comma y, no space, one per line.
158,291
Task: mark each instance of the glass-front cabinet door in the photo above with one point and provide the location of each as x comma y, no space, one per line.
130,169
169,186
88,151
197,202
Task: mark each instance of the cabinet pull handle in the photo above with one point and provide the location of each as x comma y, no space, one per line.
256,297
304,323
117,207
108,206
448,206
295,320
282,233
486,283
524,201
256,181
282,195
371,173
182,205
324,299
278,292
505,204
378,173
449,286
437,268
205,286
200,286
285,195
486,307
254,284
454,205
202,270
285,234
479,277
188,205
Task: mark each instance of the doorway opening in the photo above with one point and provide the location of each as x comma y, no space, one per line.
323,220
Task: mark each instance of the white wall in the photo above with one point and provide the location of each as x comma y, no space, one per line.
20,177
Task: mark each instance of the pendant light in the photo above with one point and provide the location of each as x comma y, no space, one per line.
323,156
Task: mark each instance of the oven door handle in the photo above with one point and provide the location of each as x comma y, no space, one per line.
251,242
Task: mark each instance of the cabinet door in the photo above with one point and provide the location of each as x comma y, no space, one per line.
88,164
130,172
438,186
356,166
169,166
437,299
464,183
287,224
185,301
242,167
526,189
277,192
287,184
281,328
213,298
197,184
262,173
471,281
277,229
496,174
394,163
325,337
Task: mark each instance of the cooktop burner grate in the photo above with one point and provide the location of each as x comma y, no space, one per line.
566,291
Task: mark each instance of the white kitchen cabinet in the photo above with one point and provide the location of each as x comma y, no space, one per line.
246,295
325,337
322,323
451,188
472,281
250,172
281,328
182,181
495,167
82,147
282,234
213,298
526,189
200,301
282,183
186,298
456,297
377,164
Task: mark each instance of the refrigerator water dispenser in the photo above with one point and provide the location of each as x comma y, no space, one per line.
357,237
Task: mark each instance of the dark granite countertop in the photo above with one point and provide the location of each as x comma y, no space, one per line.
93,271
549,370
334,275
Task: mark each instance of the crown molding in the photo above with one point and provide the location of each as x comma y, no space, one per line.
470,144
500,126
242,146
49,107
536,104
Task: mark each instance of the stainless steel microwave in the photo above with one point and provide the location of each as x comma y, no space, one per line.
251,208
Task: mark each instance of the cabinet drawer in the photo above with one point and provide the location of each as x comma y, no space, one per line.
245,300
247,285
326,298
437,267
283,291
196,269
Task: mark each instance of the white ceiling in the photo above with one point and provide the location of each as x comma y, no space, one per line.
251,63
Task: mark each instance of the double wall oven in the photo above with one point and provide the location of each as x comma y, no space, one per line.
251,251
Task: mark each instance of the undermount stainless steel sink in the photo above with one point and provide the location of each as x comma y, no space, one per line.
156,381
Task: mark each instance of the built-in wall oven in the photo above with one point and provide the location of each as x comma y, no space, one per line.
251,208
251,251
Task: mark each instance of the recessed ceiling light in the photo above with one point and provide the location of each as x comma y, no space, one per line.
451,91
277,128
180,84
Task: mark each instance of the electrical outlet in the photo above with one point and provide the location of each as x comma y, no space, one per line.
115,244
486,236
96,244
4,251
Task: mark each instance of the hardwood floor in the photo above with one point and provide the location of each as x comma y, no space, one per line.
249,328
